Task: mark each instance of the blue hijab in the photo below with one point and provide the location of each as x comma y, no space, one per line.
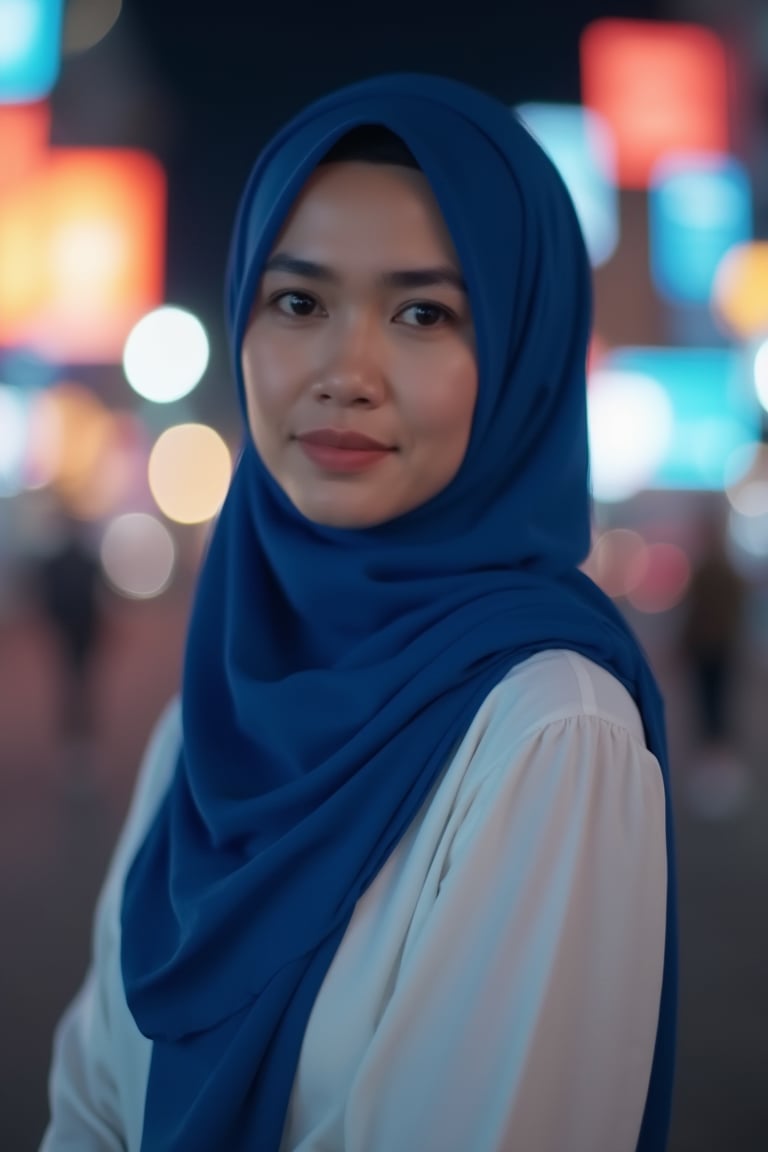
329,673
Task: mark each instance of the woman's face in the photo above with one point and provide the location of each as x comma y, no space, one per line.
358,359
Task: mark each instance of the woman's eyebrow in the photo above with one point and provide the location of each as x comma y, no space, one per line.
425,277
397,278
283,262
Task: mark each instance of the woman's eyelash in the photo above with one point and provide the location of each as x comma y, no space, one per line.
300,297
441,312
444,313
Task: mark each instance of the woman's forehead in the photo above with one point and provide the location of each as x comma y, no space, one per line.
358,208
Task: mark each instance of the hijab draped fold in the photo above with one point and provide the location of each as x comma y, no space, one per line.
329,674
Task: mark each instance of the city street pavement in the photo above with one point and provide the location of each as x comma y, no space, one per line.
60,813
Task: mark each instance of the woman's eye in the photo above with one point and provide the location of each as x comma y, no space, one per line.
425,315
295,304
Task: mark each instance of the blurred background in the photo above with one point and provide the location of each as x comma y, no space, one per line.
126,133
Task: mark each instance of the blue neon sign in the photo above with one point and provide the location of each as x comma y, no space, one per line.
30,49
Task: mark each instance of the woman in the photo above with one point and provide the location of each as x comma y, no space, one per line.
397,875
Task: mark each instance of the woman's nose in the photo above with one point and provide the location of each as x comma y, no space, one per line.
354,372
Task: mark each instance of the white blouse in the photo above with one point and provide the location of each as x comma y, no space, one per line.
498,986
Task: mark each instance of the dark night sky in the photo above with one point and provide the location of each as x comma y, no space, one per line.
227,74
234,76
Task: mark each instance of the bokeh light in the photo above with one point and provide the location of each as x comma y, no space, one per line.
714,410
740,290
70,438
618,561
166,354
748,536
83,243
751,499
595,352
664,581
747,487
662,87
743,461
630,428
700,206
189,473
93,458
119,473
87,22
580,144
138,555
761,373
652,577
13,439
30,34
24,135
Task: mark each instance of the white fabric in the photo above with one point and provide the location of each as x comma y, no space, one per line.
497,989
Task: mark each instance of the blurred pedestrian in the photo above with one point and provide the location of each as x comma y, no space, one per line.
70,592
711,645
712,632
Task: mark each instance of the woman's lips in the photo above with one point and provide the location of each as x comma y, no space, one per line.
342,438
342,450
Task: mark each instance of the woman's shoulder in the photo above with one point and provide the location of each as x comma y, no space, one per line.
556,720
557,685
552,697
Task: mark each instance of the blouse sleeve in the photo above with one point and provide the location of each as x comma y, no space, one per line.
525,1010
90,1078
85,1115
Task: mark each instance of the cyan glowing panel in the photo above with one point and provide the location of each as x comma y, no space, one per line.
30,49
581,146
700,206
714,407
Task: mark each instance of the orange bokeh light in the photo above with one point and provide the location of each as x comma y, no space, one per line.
24,132
83,243
661,87
740,290
91,456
